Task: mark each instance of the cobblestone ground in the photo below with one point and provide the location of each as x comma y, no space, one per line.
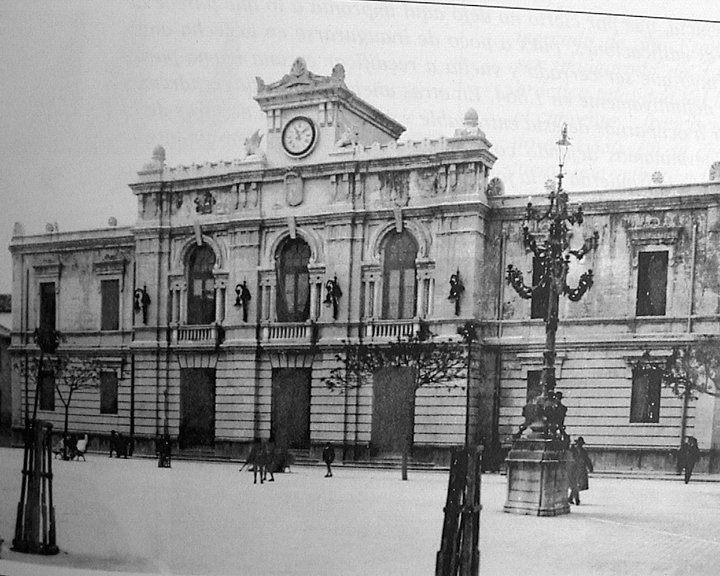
130,516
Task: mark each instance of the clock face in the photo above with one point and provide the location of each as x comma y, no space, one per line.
299,136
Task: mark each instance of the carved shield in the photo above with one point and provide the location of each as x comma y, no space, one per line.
294,193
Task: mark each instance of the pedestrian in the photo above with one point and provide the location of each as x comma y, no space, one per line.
578,470
121,446
113,442
328,456
254,460
688,456
268,456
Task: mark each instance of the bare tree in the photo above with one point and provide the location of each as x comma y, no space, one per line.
694,367
70,374
431,363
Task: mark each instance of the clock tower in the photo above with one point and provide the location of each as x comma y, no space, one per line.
309,116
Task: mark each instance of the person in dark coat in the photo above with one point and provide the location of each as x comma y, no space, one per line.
268,456
255,461
113,442
688,456
121,446
578,470
328,456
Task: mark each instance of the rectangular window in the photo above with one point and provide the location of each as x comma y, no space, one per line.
652,283
110,296
539,303
46,390
47,306
645,399
534,384
108,393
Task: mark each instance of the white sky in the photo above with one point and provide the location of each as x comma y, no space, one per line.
87,89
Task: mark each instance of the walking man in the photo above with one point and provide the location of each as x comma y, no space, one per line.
688,456
328,457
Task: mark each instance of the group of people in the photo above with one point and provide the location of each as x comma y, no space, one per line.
119,444
71,447
265,459
580,465
548,413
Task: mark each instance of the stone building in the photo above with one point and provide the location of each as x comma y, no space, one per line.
5,368
218,314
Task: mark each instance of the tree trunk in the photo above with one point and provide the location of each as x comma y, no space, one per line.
67,423
407,448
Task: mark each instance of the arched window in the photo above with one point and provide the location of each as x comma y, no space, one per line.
201,286
399,277
293,282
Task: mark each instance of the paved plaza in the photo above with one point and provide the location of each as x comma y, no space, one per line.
206,518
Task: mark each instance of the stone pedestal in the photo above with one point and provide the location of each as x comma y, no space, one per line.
537,478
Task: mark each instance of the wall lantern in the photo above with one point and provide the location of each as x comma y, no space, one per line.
242,297
332,295
142,302
456,290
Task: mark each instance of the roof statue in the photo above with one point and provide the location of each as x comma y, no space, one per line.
348,136
252,144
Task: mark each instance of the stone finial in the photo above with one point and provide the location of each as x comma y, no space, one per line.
299,67
470,125
471,118
338,73
18,229
157,164
657,178
715,172
112,222
159,153
496,187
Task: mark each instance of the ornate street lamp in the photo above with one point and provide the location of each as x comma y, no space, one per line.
540,454
553,255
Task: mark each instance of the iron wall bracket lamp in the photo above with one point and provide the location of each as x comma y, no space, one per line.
333,293
456,291
242,298
142,302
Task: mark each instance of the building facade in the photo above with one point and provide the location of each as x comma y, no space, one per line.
218,314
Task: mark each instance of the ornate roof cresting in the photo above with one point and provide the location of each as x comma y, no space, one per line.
300,77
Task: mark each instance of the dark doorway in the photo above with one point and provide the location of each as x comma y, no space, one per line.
291,407
197,407
393,409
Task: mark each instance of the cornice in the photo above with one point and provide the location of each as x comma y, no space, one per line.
71,243
352,162
656,199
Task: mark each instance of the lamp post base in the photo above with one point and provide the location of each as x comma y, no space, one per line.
537,478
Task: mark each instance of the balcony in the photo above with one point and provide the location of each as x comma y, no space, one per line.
289,332
388,330
196,336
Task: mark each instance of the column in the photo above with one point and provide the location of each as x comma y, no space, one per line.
314,311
